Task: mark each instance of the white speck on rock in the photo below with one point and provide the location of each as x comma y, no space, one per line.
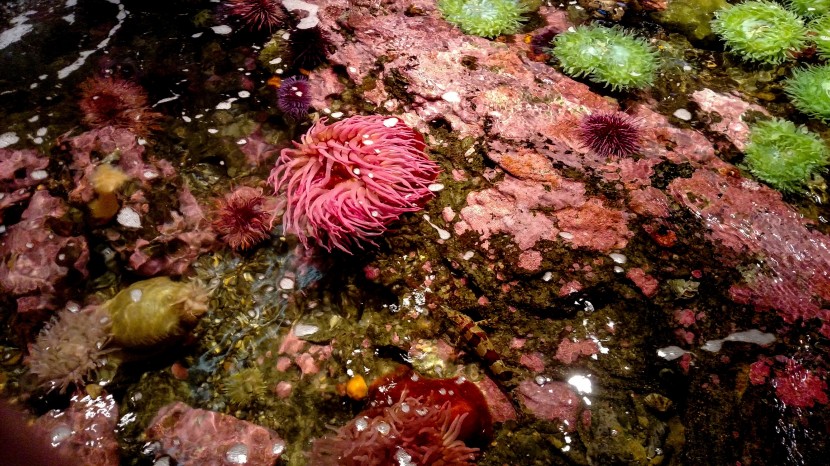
39,175
451,97
129,218
618,258
304,330
682,114
7,139
222,29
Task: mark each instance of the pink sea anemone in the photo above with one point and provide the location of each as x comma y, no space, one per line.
71,348
345,183
408,432
610,134
107,101
241,218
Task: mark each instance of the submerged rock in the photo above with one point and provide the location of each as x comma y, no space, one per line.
207,438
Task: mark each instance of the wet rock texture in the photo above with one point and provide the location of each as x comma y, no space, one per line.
581,295
84,432
198,436
602,253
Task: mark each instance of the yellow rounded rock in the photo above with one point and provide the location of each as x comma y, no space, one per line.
153,311
356,388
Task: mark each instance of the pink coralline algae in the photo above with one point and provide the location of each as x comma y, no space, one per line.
648,285
241,218
207,438
85,432
70,348
745,217
515,207
798,387
87,148
345,183
180,241
37,261
551,401
408,432
20,170
595,226
729,112
569,351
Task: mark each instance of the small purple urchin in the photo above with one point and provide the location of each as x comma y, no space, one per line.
610,134
293,98
258,15
408,432
345,183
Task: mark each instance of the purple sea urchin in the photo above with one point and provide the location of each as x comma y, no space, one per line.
610,134
309,48
258,15
293,98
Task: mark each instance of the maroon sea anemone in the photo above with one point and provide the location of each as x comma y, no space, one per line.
408,432
258,15
346,182
293,98
70,348
241,218
610,134
107,101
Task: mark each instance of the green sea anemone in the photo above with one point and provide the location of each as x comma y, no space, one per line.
608,56
485,18
821,28
809,8
244,387
809,90
760,30
783,155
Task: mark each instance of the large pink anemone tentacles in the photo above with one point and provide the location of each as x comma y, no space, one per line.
344,183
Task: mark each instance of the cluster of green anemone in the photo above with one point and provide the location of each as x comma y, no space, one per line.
608,56
767,32
485,18
784,155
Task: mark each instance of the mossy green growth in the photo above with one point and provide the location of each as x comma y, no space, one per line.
784,155
809,90
608,56
691,17
809,8
760,31
821,35
485,18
